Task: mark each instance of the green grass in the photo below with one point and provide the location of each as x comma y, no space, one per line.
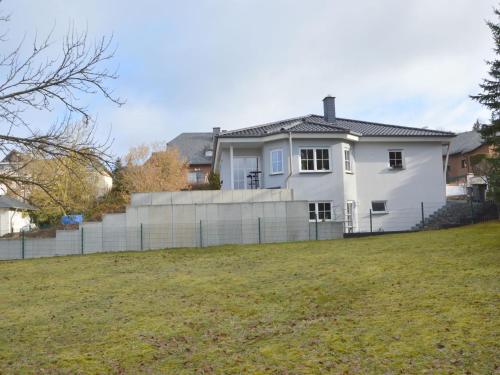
407,303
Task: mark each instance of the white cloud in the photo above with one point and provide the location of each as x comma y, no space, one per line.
188,66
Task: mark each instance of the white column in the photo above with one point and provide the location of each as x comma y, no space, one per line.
231,165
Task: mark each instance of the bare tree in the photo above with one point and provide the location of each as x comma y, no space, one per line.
154,168
32,79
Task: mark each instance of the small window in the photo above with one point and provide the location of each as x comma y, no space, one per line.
379,206
196,177
276,161
320,210
208,153
396,159
464,163
315,159
347,160
192,177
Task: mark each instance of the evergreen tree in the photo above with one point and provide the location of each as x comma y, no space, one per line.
490,97
117,174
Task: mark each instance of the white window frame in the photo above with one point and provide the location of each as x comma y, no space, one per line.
386,211
403,164
350,169
349,224
278,150
315,160
316,211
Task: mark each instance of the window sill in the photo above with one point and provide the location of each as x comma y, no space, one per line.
349,172
396,169
275,173
328,171
321,221
380,212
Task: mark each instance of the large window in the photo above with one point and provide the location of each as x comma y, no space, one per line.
276,161
396,159
379,207
314,159
320,210
347,160
242,168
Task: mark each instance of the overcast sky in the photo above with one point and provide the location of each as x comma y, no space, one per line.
193,64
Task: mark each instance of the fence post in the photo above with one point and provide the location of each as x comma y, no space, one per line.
371,221
260,238
142,238
22,244
471,211
316,227
201,235
81,248
422,211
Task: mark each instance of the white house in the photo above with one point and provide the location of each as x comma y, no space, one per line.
13,215
345,168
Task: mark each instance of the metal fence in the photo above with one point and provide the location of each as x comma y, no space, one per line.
161,236
110,236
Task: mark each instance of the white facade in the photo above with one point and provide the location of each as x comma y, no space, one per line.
371,183
11,221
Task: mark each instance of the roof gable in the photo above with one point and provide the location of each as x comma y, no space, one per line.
193,147
466,142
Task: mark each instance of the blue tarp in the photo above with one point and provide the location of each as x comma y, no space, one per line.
72,219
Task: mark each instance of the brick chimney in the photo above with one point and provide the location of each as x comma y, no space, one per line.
215,132
329,108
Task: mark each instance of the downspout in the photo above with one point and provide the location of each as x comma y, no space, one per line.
446,162
290,163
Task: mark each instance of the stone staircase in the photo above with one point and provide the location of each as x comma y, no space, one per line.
455,213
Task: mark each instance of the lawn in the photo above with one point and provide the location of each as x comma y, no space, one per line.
406,303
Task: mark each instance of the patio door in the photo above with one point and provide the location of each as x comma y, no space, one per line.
243,166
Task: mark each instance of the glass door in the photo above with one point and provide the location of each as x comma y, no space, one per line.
243,167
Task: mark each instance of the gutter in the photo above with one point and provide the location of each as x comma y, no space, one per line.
445,168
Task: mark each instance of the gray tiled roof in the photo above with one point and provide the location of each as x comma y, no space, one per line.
192,146
317,124
465,142
9,202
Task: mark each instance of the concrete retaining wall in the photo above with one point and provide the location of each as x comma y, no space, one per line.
153,223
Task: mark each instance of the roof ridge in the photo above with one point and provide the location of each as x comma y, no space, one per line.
262,125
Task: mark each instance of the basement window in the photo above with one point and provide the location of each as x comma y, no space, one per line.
320,210
379,207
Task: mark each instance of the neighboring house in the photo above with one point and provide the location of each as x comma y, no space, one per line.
196,149
14,162
13,215
460,174
343,167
